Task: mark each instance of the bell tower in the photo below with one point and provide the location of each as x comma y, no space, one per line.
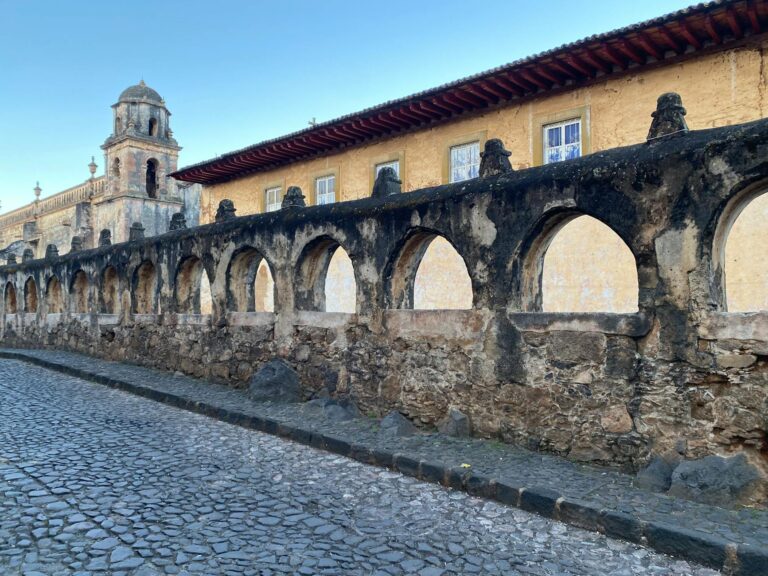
139,154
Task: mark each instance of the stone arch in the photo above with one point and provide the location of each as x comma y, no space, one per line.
152,127
741,234
247,290
428,273
9,298
577,263
30,295
144,284
78,292
190,287
325,265
54,300
109,295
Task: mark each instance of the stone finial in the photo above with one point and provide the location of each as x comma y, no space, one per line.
105,237
37,190
225,211
28,255
11,259
136,232
76,245
294,198
494,159
92,166
51,251
669,117
386,183
178,222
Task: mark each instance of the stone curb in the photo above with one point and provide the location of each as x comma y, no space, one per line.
674,540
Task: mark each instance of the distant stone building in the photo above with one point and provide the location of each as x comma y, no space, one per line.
138,155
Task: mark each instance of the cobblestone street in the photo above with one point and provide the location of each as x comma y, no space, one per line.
96,481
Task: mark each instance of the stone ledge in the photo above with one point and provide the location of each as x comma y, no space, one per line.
739,559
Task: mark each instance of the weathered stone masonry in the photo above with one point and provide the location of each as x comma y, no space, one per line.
681,375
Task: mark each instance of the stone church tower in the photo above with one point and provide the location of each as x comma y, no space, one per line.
139,154
135,189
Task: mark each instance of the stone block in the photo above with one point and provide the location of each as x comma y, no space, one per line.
657,476
578,347
395,424
276,381
456,423
716,480
616,420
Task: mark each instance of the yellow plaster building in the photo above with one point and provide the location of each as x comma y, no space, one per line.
589,96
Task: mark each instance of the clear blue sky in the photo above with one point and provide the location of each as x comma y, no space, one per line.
236,72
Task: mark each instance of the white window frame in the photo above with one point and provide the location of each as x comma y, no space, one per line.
465,171
324,196
394,164
273,198
545,156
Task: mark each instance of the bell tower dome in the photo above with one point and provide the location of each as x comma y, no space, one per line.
139,155
141,150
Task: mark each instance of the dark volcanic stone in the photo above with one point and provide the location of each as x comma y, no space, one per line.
275,381
715,480
455,424
657,476
395,424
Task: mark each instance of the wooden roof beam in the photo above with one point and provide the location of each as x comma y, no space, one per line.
418,111
673,45
627,49
650,46
400,119
463,97
688,34
541,70
443,101
754,21
563,69
573,62
526,74
594,61
709,26
614,57
507,85
435,107
733,22
484,95
518,80
495,89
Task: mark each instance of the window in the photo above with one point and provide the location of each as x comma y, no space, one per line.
273,199
464,162
152,127
394,164
325,189
562,141
152,178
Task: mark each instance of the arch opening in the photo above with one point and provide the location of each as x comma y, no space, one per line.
325,278
428,273
582,266
30,295
9,298
744,237
116,168
144,288
78,293
193,288
109,302
53,296
152,169
250,284
152,127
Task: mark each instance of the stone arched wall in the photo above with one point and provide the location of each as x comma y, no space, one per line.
606,388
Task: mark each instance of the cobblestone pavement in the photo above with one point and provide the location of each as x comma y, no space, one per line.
97,481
